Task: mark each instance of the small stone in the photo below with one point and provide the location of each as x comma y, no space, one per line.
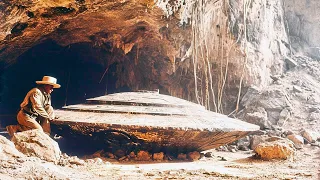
158,156
123,158
290,63
120,153
143,156
98,160
109,155
195,155
208,154
132,155
297,89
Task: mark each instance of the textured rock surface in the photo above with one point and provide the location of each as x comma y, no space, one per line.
147,45
8,150
303,21
37,143
278,149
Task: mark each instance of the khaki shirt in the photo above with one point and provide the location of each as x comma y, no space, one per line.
35,102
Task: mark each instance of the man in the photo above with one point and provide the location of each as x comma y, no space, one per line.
36,110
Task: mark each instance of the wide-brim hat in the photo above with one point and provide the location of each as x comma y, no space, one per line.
49,80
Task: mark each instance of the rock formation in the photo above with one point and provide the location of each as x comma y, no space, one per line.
208,52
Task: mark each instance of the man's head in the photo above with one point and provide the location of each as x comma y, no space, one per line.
48,88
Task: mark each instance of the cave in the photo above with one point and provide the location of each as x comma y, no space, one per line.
78,71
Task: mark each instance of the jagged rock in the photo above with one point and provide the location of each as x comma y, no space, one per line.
310,136
158,156
255,140
259,118
284,116
291,63
297,140
275,149
8,150
143,156
193,156
37,143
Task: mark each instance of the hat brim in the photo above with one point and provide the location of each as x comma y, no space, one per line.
45,82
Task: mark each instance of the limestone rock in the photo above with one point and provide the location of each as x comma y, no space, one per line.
37,143
7,149
277,149
297,140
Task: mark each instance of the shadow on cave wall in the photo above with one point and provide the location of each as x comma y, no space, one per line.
76,67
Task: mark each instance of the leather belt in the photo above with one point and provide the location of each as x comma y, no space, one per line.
29,113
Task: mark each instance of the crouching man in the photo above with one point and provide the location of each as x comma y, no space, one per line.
36,111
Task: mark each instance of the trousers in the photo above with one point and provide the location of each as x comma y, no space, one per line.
28,122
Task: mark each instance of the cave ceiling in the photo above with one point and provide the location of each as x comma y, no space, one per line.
103,24
136,34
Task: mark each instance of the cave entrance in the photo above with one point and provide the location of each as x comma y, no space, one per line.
78,68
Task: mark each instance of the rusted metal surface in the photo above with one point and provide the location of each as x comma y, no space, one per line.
154,118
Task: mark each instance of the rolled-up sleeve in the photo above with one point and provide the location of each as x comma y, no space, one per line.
37,106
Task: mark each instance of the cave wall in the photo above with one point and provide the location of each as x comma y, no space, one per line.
303,23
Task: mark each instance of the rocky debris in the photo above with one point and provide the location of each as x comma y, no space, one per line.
275,148
7,149
37,143
297,140
263,107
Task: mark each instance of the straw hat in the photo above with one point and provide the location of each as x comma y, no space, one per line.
49,80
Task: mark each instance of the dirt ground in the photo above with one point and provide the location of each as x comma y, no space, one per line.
222,165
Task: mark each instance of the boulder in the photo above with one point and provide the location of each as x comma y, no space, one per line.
7,149
37,143
276,148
